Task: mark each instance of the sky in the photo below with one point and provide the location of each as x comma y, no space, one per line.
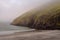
10,9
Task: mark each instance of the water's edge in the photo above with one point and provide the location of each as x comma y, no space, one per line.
12,32
6,29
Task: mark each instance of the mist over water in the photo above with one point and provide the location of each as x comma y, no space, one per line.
10,9
6,28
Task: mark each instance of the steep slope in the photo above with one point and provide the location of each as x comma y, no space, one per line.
46,17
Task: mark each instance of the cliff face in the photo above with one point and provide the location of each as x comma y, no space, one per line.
47,17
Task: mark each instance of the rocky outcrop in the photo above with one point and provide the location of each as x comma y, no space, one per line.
47,17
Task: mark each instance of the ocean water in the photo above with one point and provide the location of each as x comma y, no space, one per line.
9,29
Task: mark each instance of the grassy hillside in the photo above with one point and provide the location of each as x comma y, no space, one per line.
46,17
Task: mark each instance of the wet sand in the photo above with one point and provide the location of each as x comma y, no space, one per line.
33,35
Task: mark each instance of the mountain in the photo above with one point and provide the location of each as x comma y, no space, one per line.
45,17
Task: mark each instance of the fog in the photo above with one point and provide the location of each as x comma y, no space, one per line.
10,9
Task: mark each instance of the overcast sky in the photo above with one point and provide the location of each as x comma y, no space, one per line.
10,9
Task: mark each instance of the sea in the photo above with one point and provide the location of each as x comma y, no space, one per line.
6,29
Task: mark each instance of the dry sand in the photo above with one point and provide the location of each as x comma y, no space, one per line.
33,35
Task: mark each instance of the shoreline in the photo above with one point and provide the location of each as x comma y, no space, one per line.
13,31
42,34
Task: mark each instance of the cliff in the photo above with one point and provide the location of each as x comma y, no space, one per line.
46,17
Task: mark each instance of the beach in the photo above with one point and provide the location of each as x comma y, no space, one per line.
10,32
33,35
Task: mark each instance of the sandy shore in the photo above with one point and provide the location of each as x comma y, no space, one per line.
33,35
